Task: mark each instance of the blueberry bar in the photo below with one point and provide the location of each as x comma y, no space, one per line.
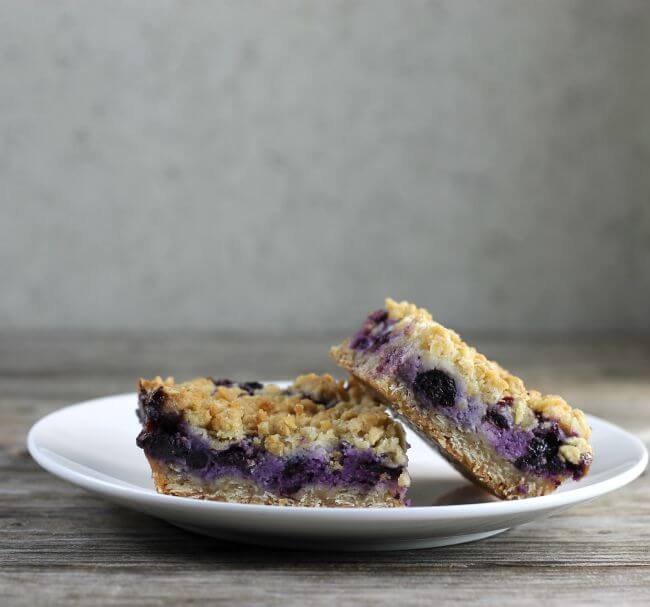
513,441
316,443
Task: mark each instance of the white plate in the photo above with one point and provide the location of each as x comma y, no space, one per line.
92,445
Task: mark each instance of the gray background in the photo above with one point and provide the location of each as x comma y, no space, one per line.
284,166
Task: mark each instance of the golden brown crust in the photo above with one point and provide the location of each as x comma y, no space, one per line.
171,482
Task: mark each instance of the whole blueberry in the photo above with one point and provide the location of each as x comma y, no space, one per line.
234,456
435,388
250,386
498,419
538,447
542,456
197,459
222,382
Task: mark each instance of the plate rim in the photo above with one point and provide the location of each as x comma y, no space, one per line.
486,509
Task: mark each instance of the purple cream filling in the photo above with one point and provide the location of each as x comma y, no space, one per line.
374,333
167,438
535,451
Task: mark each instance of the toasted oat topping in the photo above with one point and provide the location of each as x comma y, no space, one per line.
483,377
314,411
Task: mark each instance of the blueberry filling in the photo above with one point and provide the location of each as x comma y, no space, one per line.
535,451
495,417
300,470
435,389
375,332
150,405
364,468
167,438
247,386
223,382
407,368
508,440
162,445
250,386
540,453
196,460
235,456
542,456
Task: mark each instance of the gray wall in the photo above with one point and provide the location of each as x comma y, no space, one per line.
285,165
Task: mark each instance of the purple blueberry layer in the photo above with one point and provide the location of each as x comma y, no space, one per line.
248,386
167,438
374,336
374,333
535,451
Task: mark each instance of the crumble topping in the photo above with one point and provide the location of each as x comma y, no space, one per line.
485,378
314,411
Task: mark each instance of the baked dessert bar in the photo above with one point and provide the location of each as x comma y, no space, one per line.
316,443
513,441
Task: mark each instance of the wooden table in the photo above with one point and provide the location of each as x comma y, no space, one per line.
59,544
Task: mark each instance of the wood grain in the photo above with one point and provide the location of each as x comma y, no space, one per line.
60,545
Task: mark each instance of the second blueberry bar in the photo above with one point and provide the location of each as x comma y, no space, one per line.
515,442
